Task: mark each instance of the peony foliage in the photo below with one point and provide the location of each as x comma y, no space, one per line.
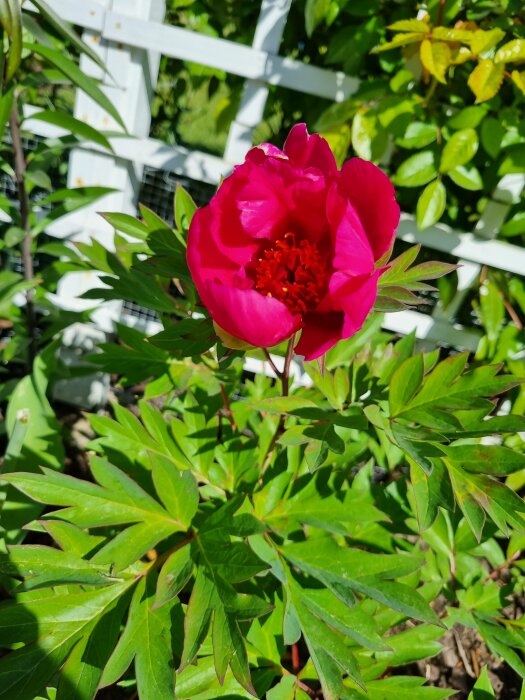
318,528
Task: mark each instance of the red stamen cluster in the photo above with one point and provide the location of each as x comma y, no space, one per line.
292,272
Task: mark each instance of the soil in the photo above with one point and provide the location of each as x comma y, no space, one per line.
459,664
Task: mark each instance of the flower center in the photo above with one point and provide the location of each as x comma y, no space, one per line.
292,272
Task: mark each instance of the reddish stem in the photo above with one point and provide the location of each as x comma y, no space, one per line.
296,662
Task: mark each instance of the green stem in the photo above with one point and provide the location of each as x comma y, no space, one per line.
285,382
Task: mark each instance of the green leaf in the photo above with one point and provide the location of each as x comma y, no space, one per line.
11,17
418,135
467,118
185,208
185,338
81,674
468,177
63,621
514,160
416,170
315,12
485,80
352,622
405,382
364,574
482,689
66,66
369,139
511,51
127,224
459,149
67,32
6,104
325,643
198,616
153,655
431,204
177,489
74,126
485,459
174,575
119,500
154,666
46,566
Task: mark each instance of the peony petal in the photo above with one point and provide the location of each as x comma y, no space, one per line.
321,331
357,299
260,152
373,197
309,150
205,259
258,320
344,311
352,252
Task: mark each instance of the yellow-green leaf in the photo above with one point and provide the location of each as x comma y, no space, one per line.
339,139
459,149
409,25
446,34
431,204
519,80
400,40
511,51
369,139
13,15
484,41
485,80
435,57
467,177
460,55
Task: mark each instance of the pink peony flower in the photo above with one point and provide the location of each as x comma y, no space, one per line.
290,243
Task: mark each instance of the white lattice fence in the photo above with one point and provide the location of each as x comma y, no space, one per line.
130,36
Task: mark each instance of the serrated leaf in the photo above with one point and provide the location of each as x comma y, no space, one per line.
436,58
519,80
482,40
459,149
453,35
400,40
431,204
409,25
485,80
511,51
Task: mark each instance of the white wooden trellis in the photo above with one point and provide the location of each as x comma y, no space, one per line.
130,36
